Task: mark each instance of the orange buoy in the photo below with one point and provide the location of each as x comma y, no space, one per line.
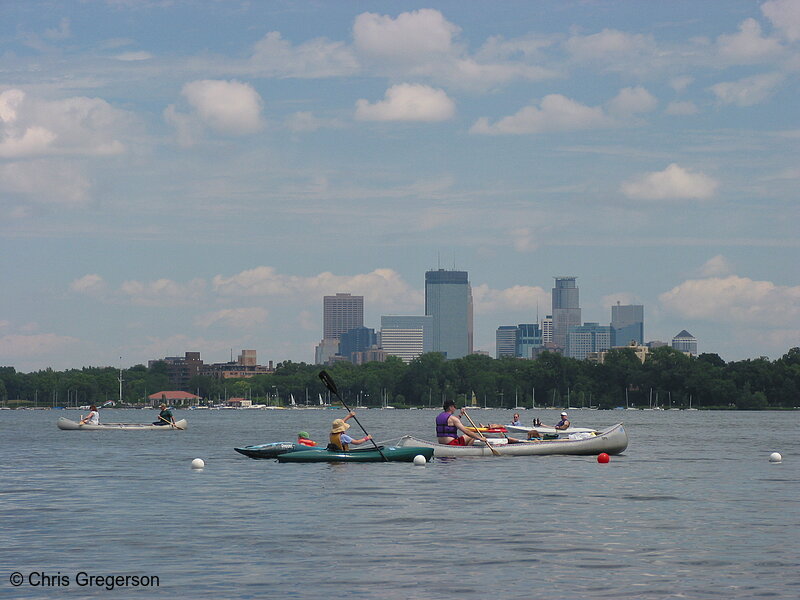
603,458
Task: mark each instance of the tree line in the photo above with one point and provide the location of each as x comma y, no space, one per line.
667,379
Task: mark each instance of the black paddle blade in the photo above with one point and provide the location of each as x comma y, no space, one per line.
328,381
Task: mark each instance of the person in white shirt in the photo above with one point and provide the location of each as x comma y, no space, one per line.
93,418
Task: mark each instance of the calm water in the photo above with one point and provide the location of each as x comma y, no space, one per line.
693,509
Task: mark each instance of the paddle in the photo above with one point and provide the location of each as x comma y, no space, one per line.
329,383
466,414
170,422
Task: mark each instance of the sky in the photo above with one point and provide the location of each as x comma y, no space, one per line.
195,176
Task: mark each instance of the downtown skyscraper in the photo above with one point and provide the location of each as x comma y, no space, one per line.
627,324
448,299
566,309
340,314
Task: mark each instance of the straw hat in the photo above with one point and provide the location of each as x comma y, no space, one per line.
338,426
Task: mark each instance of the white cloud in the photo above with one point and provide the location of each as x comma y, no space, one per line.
632,100
275,57
47,182
30,126
306,121
784,16
240,318
382,287
673,183
134,56
519,297
423,44
610,45
13,347
413,37
748,91
735,299
748,46
524,240
163,292
679,84
9,103
434,217
621,297
557,113
91,284
408,102
716,266
61,33
227,107
680,108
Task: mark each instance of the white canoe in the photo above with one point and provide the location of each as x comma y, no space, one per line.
69,425
612,440
545,429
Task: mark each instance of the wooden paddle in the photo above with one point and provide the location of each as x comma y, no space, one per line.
494,451
328,381
170,422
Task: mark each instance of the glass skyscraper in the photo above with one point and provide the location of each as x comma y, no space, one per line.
627,324
448,299
566,309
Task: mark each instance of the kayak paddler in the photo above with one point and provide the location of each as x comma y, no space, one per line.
448,427
165,416
93,418
339,440
304,438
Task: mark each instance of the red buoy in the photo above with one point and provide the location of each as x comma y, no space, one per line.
603,458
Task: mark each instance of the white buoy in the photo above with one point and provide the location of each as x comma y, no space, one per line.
775,457
420,460
198,463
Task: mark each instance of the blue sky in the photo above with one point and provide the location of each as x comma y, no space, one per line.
195,176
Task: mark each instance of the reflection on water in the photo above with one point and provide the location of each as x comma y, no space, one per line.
693,509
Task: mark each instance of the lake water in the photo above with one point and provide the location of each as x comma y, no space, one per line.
693,509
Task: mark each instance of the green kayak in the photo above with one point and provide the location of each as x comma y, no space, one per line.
391,454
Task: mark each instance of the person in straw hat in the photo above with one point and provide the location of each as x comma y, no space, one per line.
339,440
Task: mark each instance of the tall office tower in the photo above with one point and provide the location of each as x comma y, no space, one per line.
406,336
566,309
586,338
341,313
547,329
685,342
627,324
359,339
448,299
529,339
506,341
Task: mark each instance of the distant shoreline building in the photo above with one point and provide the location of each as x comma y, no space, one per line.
448,299
627,324
685,342
340,314
566,309
406,336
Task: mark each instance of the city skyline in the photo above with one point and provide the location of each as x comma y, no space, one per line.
197,176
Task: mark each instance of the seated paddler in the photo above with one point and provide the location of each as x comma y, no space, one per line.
449,427
304,438
339,440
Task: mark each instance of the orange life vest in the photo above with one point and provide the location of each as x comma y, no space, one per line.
306,442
